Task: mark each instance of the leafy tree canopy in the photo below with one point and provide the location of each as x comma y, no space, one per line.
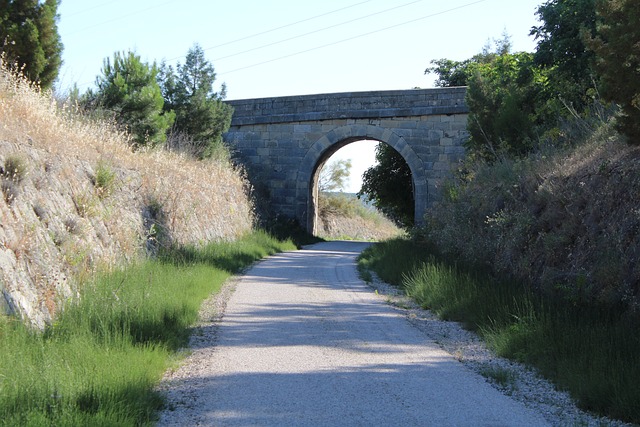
457,73
504,98
617,51
29,38
561,50
505,106
390,186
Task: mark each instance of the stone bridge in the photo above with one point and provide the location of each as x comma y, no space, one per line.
284,142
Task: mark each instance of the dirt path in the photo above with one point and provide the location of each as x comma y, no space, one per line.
304,342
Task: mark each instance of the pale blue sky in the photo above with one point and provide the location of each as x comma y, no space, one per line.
302,47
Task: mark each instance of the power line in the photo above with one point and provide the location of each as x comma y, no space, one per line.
119,18
355,37
317,31
226,43
332,43
277,28
78,12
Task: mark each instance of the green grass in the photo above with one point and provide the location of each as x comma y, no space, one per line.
381,258
99,362
104,179
500,376
591,351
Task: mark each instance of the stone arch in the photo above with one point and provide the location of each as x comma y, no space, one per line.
327,145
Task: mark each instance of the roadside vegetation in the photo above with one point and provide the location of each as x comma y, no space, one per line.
536,241
111,237
589,350
535,244
101,360
345,217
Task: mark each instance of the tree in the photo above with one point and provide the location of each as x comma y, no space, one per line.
505,106
334,175
457,73
390,186
29,38
617,51
451,73
561,50
200,111
128,89
505,97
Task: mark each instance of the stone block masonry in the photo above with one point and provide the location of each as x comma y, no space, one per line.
284,141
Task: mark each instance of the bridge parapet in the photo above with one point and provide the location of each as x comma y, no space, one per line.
350,105
283,142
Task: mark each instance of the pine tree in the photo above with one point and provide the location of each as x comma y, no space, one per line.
29,38
128,89
200,111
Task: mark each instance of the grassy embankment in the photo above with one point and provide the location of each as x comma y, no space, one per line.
540,256
590,351
79,213
344,217
99,362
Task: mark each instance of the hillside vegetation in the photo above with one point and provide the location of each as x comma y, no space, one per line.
541,256
565,221
343,216
536,243
76,199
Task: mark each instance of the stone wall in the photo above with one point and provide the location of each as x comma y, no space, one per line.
350,105
284,141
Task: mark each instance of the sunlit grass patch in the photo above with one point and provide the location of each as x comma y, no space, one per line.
99,363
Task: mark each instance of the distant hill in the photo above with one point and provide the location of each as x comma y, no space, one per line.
344,216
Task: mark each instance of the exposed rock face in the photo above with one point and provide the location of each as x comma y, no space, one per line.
75,199
54,224
58,227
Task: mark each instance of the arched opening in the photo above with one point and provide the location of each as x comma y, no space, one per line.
320,151
314,195
330,200
339,212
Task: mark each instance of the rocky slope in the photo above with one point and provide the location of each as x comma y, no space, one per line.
76,199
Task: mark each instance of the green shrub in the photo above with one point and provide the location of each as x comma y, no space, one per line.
104,179
15,169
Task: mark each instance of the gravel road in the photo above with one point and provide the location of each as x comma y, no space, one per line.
303,341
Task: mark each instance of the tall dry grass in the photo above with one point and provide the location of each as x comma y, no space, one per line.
193,193
58,223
